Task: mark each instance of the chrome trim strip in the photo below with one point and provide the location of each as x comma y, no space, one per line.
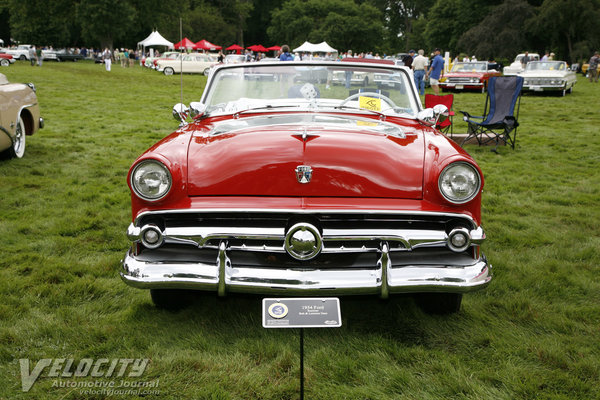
303,212
409,238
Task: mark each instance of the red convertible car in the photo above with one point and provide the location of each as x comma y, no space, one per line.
279,186
471,75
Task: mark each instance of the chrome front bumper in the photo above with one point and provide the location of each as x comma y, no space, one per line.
223,277
361,252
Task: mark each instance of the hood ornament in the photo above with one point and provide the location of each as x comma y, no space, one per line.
304,173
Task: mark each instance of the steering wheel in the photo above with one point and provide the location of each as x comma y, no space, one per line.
370,94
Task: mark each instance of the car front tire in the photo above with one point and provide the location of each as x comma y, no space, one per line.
17,150
171,299
439,303
168,71
4,63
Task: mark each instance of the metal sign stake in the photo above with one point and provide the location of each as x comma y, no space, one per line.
323,312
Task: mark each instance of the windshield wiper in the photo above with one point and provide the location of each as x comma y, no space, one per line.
379,113
267,107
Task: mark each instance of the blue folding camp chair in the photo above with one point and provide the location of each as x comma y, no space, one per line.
499,122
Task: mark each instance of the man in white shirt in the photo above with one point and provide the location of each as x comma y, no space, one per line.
419,65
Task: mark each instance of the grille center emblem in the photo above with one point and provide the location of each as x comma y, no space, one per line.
304,173
303,241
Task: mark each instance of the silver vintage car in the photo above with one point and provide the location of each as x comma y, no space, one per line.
19,116
543,76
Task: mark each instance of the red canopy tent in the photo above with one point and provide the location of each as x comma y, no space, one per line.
206,45
235,47
274,48
185,44
259,48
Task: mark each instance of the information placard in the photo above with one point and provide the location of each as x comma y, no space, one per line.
311,312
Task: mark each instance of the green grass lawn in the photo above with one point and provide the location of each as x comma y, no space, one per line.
534,333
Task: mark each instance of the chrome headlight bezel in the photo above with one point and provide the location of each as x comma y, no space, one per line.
467,174
145,168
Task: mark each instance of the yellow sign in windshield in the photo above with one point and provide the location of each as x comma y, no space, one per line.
370,103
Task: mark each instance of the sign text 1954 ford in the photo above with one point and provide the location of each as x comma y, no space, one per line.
281,186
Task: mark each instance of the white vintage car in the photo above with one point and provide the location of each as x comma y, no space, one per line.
541,76
188,64
19,53
516,67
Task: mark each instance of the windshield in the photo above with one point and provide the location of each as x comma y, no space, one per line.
368,88
546,66
469,67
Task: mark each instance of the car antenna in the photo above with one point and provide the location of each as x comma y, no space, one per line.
181,62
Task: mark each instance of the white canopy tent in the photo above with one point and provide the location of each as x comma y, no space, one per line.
323,47
308,47
155,39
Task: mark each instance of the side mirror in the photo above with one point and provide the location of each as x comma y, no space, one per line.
441,113
180,113
431,116
197,109
426,116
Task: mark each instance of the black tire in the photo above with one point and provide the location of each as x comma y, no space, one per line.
22,57
168,71
172,299
439,303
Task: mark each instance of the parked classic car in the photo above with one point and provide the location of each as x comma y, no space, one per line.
21,52
543,76
68,55
150,62
190,64
292,188
516,67
468,75
6,59
19,116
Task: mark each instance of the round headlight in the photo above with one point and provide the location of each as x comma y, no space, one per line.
459,182
151,180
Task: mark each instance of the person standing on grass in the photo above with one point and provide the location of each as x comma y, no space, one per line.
419,65
436,71
593,67
106,57
32,55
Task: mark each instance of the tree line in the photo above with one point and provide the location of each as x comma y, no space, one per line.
486,28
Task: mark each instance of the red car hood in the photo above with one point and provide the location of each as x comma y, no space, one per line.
346,162
470,74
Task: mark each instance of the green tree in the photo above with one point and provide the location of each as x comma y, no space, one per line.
259,18
402,25
502,34
161,15
569,25
344,24
105,21
43,22
447,20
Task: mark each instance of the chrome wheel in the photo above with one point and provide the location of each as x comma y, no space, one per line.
18,148
168,71
4,63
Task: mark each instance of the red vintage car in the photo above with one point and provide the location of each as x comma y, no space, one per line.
6,59
280,184
469,75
